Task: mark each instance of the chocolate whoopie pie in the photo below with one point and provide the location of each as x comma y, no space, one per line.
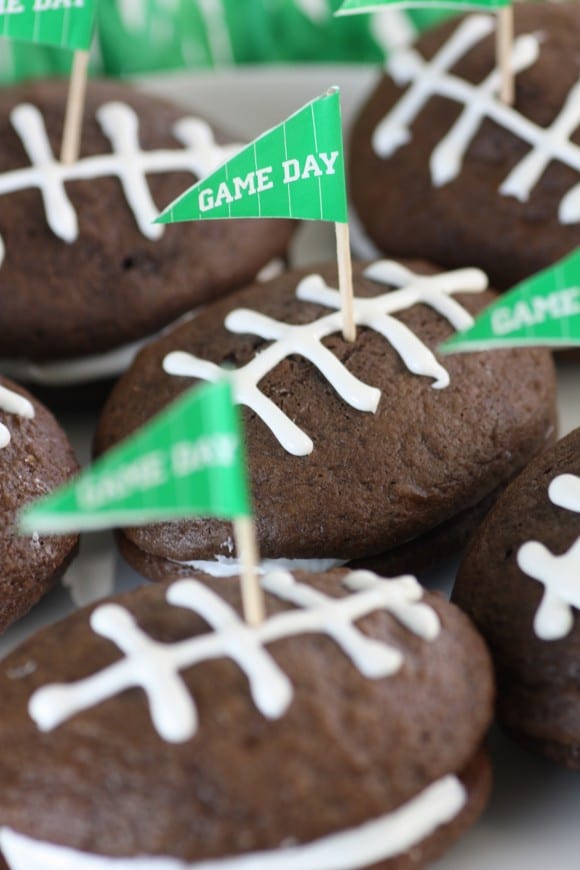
89,272
343,732
35,458
441,168
520,583
355,450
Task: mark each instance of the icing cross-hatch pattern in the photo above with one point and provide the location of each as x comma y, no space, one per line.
305,340
155,666
560,575
433,78
127,162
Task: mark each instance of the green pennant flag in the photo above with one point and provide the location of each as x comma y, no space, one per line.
355,7
63,23
544,310
188,461
295,170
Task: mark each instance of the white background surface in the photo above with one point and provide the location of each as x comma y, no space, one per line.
533,820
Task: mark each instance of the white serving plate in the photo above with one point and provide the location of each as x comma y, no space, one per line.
532,819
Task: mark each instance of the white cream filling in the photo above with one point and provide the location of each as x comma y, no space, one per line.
84,369
70,372
229,566
373,841
101,366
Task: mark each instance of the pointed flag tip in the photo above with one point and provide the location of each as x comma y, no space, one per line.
29,522
448,347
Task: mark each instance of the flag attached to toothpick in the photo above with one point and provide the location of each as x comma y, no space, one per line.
188,461
62,23
504,37
295,170
66,24
544,310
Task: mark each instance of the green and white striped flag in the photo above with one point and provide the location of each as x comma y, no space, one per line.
295,170
62,23
543,310
188,461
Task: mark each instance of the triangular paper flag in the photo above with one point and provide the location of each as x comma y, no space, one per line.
355,7
187,462
544,310
295,170
64,23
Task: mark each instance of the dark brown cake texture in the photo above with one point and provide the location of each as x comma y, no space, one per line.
420,469
87,270
520,583
423,185
357,699
36,460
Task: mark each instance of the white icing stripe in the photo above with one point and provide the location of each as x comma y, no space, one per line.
564,491
392,28
371,842
13,403
560,575
155,667
228,566
127,162
306,341
433,79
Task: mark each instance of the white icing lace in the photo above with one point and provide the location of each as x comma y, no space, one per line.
127,162
155,667
306,340
432,78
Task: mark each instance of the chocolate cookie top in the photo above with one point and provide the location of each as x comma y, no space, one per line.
86,267
520,580
176,730
439,167
353,448
35,458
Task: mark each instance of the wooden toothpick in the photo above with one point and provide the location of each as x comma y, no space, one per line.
504,47
247,552
75,108
345,281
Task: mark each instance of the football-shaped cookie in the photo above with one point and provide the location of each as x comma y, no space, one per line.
354,449
520,582
86,271
345,731
441,168
35,459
